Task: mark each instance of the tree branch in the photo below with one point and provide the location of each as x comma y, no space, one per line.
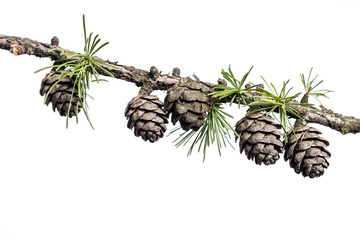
154,80
19,46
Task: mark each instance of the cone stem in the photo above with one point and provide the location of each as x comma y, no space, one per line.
299,122
145,89
305,98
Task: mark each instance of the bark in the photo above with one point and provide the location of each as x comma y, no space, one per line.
153,80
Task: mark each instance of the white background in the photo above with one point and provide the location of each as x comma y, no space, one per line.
83,184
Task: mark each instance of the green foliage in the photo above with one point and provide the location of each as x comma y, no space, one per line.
81,67
277,101
235,91
310,86
215,129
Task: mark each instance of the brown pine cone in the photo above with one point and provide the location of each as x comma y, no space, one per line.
60,94
307,151
260,138
146,115
188,103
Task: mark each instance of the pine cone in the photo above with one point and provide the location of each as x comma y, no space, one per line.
60,94
146,114
188,102
260,138
306,151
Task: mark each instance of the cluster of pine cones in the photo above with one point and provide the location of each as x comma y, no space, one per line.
188,103
261,140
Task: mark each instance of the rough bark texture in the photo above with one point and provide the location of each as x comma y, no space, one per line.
153,80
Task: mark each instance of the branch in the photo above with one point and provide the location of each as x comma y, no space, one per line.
154,80
19,46
326,117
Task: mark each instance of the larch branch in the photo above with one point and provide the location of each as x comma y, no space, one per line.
158,81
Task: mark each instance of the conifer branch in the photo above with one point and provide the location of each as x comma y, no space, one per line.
154,80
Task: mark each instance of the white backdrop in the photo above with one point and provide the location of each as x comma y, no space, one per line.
83,184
